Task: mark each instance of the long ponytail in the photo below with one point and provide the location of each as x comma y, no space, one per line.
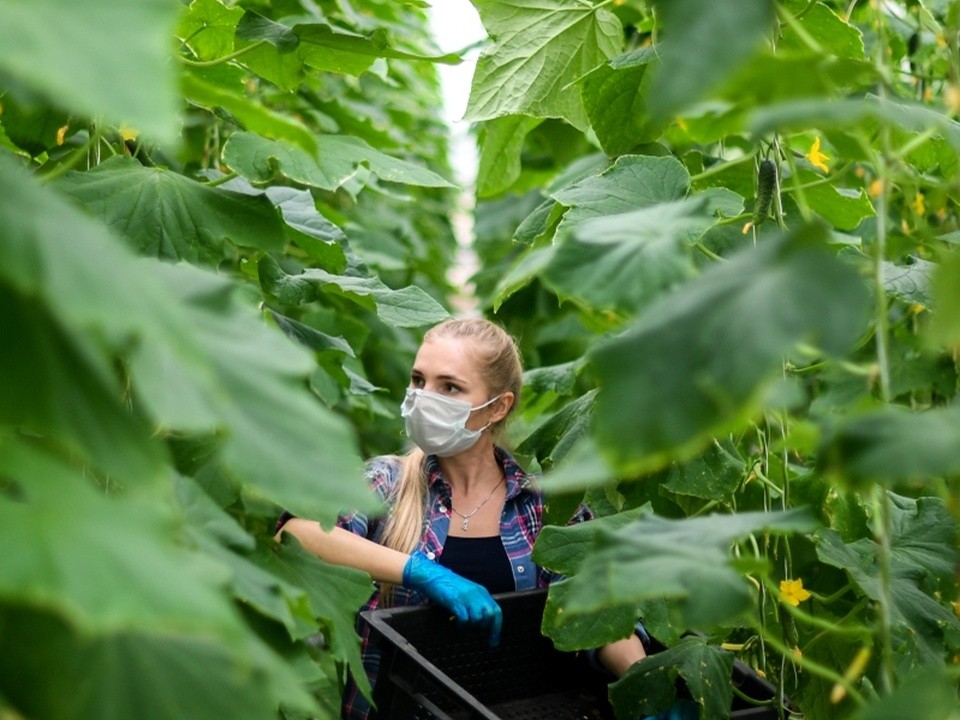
404,524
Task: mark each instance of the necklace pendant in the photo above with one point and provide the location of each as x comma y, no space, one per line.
465,524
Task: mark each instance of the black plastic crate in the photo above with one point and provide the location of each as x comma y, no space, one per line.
433,669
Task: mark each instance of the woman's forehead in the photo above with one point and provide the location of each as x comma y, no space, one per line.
449,356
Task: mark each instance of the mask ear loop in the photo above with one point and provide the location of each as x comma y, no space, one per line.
481,407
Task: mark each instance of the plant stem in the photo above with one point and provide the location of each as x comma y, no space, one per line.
707,251
883,530
75,158
805,617
221,180
882,518
801,198
224,59
839,626
814,668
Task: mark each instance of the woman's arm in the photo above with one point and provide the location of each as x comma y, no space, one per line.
618,656
342,547
468,601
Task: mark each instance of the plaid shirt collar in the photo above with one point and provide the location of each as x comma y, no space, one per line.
517,479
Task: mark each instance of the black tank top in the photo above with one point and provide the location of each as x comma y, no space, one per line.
482,560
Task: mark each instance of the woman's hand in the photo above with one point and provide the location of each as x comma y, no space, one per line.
468,601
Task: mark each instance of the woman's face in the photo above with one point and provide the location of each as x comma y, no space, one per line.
450,367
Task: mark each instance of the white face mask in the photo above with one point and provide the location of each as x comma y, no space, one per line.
438,424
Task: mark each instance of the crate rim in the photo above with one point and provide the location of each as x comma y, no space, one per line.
376,619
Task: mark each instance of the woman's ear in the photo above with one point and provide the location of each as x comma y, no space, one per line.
502,406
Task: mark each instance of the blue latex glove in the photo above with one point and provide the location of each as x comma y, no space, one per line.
681,710
468,601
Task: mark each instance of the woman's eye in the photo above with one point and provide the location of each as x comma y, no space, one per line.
416,382
452,388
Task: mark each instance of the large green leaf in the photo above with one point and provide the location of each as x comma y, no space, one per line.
524,270
281,582
167,215
614,96
291,50
623,261
566,552
58,378
59,384
631,183
771,78
30,125
700,358
102,564
278,437
923,560
706,42
208,27
828,113
714,475
48,670
254,116
501,142
337,159
648,686
586,631
831,32
565,549
581,468
654,558
407,307
334,595
324,47
844,208
945,328
540,48
312,232
554,438
910,283
934,691
289,585
58,47
199,360
894,445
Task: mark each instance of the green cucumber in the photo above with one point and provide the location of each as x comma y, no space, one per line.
766,184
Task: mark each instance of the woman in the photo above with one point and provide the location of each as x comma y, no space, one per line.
463,516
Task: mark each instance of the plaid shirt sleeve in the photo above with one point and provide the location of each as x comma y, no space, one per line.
383,476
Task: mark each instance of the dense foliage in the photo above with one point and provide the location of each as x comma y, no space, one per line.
724,233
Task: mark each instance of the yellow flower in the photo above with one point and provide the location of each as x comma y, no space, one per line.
793,591
919,205
951,97
128,133
876,188
816,157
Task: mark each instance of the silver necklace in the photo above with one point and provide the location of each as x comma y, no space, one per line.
465,519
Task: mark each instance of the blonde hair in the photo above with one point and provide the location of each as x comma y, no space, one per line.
502,370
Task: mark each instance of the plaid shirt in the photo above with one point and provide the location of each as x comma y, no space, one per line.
520,525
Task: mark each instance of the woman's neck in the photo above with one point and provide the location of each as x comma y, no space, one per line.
473,470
